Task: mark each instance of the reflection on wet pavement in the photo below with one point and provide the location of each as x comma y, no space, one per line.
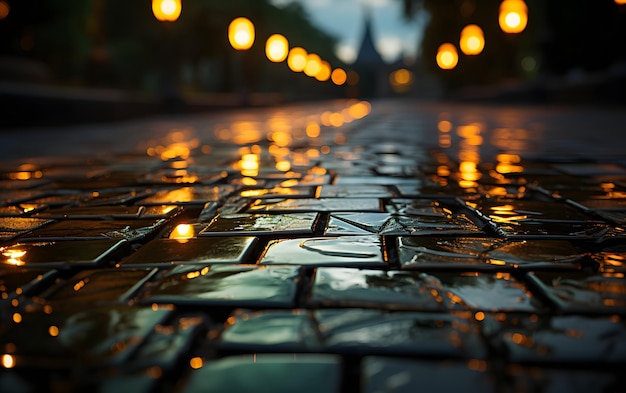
339,246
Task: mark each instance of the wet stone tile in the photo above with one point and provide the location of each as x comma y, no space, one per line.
93,287
374,332
486,253
97,229
498,292
308,373
317,205
563,340
192,195
258,224
356,223
391,290
357,251
227,286
114,197
387,374
62,253
11,227
163,252
111,212
270,331
554,230
458,224
512,211
170,343
76,339
355,191
584,293
279,192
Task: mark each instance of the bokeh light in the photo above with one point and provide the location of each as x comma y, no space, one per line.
338,76
241,33
5,9
297,58
313,65
513,16
166,10
401,80
472,40
447,56
276,48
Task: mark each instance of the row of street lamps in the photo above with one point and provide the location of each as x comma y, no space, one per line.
241,37
512,18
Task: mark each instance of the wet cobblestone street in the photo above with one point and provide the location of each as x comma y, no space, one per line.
341,246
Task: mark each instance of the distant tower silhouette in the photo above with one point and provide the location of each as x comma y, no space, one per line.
369,64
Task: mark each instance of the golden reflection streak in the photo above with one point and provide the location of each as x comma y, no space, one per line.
14,257
182,233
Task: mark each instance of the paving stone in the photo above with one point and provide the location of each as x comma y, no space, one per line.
395,252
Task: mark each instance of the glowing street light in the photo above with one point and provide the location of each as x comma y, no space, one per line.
447,56
401,80
324,73
313,65
472,40
338,76
276,48
166,10
513,16
296,60
5,9
241,33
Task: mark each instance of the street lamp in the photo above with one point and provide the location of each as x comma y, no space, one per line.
447,56
166,10
513,16
338,76
241,33
472,40
324,72
276,48
297,59
313,65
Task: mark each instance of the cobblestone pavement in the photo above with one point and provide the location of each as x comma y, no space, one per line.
334,247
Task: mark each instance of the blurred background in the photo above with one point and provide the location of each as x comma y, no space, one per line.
90,60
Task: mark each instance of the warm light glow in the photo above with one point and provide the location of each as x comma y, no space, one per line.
8,361
14,257
313,65
166,10
324,73
447,56
472,40
297,59
241,33
360,109
401,80
513,16
620,2
196,363
53,331
249,165
182,232
276,48
338,76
